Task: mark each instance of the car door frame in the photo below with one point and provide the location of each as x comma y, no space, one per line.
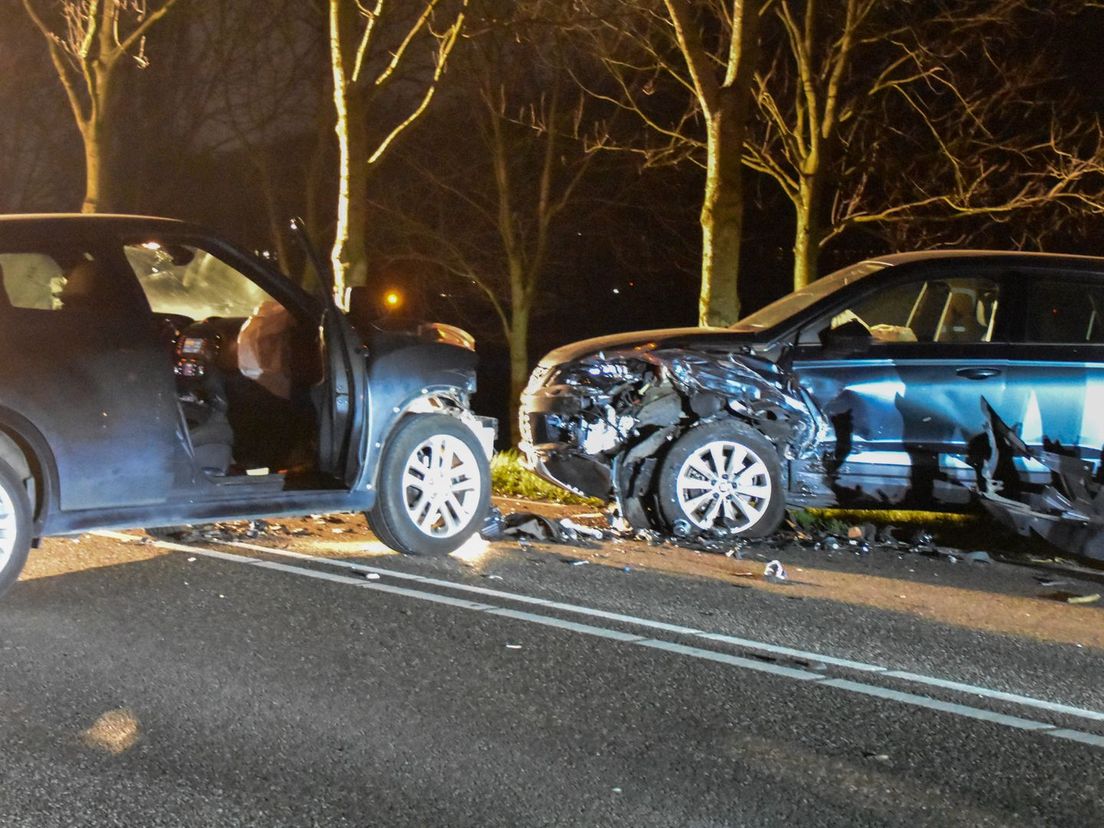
122,381
349,404
1082,360
346,385
882,476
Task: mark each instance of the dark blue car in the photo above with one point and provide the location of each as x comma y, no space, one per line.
864,389
155,374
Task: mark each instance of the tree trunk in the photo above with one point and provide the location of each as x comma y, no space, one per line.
808,232
518,340
350,245
94,196
722,216
99,184
349,251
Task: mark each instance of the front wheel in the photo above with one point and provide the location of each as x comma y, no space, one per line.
724,476
434,486
15,526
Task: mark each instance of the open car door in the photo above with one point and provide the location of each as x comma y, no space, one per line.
343,406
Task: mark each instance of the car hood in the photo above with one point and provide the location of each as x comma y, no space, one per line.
658,339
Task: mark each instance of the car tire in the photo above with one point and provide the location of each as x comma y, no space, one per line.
15,526
434,486
722,476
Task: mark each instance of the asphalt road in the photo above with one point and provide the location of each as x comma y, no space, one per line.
215,684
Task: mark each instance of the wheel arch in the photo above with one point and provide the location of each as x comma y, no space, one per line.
415,379
26,450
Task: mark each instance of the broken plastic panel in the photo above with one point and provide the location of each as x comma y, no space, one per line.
1068,512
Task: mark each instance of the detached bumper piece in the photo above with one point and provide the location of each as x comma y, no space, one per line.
1068,512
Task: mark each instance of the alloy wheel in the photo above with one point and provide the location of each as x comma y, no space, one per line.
724,485
441,486
9,528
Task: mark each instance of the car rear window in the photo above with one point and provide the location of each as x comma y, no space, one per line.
55,280
1064,312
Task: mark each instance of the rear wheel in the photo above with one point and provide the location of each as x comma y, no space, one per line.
723,477
435,486
15,526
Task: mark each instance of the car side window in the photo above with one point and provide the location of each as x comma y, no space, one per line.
188,281
64,280
958,309
1064,312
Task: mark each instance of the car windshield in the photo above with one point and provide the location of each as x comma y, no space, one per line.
782,309
185,280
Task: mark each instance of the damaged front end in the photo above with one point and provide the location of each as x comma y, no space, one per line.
1067,512
599,425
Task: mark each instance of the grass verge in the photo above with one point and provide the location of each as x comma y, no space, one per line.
509,478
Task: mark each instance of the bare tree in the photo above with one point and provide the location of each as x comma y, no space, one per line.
269,71
874,112
707,50
504,197
867,113
89,42
372,48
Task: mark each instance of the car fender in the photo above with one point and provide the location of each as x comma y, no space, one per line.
416,378
24,447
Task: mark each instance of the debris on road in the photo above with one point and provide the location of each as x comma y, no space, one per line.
1074,597
534,528
775,570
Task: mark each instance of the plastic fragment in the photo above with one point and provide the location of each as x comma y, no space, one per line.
580,529
774,569
1083,599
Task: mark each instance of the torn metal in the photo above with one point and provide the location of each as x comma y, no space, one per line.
529,527
604,418
1067,512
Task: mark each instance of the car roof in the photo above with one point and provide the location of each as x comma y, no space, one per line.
992,257
62,221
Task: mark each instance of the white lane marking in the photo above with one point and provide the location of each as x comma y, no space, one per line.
1000,695
936,704
573,626
789,651
966,711
735,661
746,643
1077,736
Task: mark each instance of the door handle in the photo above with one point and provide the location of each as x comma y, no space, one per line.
978,373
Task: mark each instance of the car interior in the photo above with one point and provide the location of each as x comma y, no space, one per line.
249,374
940,310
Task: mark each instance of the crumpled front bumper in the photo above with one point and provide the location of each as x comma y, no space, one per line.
543,414
584,422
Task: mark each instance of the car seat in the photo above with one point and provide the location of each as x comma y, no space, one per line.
961,319
87,287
